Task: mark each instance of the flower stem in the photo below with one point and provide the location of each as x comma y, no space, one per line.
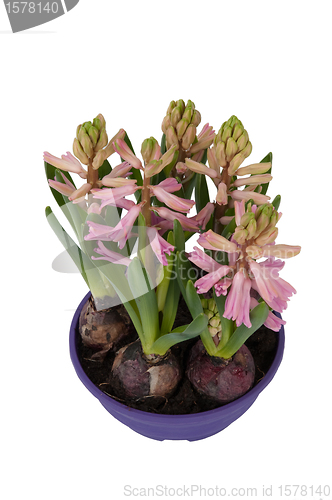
93,176
220,210
146,197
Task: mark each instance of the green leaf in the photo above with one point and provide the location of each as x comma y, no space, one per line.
81,261
276,201
179,238
163,144
168,169
136,173
267,159
182,270
164,343
195,306
226,324
257,317
229,229
146,300
104,169
202,192
62,200
189,186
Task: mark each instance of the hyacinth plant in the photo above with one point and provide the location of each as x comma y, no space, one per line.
132,232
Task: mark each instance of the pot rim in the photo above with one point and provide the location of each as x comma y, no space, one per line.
153,417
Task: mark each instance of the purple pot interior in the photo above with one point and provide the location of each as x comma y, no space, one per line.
190,427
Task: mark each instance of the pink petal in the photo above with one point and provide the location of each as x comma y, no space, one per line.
61,187
238,300
260,199
64,163
222,196
114,257
204,284
202,260
214,241
204,215
126,153
200,168
159,245
80,192
172,201
169,215
170,185
239,211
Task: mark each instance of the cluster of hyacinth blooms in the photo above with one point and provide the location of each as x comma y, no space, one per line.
133,230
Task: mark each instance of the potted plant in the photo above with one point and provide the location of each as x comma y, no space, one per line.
164,339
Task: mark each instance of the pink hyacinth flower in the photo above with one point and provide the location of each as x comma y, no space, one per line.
170,216
159,245
172,201
113,195
114,257
273,289
258,198
222,196
67,162
213,241
272,322
170,185
61,187
122,231
215,271
204,215
238,300
126,153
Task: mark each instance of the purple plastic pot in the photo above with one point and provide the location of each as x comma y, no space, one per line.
190,427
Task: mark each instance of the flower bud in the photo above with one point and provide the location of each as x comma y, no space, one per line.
98,159
85,142
166,123
171,106
251,228
263,221
79,153
237,131
246,218
87,126
148,149
196,118
231,149
240,235
171,137
181,168
97,123
243,140
181,105
267,236
94,135
176,116
103,140
221,154
212,305
188,113
227,132
181,128
101,120
189,136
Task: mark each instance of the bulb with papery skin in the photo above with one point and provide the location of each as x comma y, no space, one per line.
140,376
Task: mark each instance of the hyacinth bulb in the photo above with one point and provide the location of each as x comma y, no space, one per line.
137,376
221,380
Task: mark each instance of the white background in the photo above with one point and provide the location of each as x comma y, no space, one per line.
268,63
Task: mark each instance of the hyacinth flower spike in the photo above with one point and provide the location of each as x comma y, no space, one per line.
248,244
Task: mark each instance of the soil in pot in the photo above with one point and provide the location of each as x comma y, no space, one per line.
262,345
